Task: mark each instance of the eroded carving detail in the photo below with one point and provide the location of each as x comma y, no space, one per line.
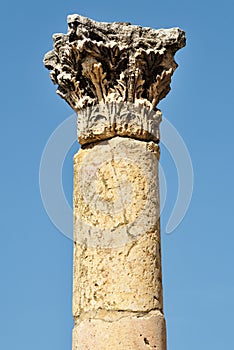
104,62
106,120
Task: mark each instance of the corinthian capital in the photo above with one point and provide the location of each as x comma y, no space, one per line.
113,67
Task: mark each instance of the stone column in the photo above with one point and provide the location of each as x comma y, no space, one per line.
113,76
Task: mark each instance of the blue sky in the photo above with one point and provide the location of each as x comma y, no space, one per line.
35,259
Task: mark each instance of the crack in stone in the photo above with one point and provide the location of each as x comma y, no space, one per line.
111,316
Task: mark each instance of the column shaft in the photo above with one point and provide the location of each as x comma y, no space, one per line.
117,295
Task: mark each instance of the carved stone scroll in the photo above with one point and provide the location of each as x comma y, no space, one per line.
109,65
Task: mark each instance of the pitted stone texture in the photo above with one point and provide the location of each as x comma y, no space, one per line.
105,62
105,121
117,260
116,194
127,278
130,333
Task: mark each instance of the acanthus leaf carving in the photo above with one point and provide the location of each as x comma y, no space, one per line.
104,63
113,60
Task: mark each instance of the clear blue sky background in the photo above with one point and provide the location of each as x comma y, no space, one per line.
198,261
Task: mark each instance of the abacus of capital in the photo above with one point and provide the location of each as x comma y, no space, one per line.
113,75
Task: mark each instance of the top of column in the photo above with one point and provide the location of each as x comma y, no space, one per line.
112,69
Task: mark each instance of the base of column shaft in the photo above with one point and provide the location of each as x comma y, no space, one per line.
133,332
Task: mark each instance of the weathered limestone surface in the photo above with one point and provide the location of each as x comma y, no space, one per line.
133,332
127,278
117,258
114,75
117,261
116,197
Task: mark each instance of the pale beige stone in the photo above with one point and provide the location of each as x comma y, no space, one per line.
128,333
117,259
116,192
127,278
